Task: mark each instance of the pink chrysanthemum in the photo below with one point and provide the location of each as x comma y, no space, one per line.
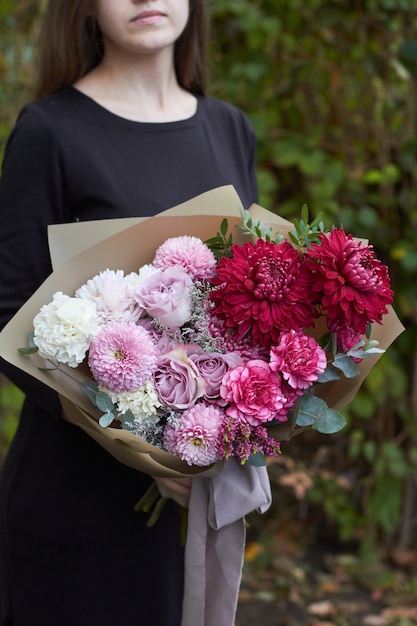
122,356
298,358
264,288
354,285
188,252
197,437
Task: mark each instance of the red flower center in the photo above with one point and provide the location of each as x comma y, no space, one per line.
271,278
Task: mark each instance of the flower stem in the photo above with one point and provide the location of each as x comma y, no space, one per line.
156,512
148,498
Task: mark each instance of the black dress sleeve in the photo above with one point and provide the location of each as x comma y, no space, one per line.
32,195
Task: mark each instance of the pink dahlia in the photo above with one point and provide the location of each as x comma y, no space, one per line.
122,356
354,285
196,439
298,358
264,288
188,252
253,392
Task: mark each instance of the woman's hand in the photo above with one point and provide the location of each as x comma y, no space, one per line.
178,489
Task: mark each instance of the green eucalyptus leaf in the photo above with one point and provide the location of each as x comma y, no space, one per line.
310,408
103,402
31,339
91,389
27,351
329,422
106,419
328,375
127,418
347,365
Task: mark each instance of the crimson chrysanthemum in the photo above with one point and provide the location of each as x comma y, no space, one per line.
264,288
354,285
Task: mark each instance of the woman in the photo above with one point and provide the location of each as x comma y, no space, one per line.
120,127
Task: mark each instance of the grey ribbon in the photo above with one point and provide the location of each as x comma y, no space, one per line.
215,544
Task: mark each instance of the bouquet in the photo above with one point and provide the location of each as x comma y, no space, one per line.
201,345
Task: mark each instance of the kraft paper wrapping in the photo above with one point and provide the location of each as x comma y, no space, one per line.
81,250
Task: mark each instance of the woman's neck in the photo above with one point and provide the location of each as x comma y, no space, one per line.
144,91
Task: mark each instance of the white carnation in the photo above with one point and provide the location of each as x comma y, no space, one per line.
112,293
64,328
142,402
145,271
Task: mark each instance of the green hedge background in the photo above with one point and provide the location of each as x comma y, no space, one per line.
330,87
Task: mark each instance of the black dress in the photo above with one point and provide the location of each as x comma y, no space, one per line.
73,551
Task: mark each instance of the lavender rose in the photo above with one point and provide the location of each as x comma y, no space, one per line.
212,367
165,295
177,380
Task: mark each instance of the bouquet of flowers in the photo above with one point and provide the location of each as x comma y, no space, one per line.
208,342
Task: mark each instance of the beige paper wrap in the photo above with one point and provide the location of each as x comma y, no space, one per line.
83,249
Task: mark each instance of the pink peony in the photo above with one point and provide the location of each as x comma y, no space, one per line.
353,284
263,289
197,437
188,252
298,358
177,379
122,357
165,296
253,392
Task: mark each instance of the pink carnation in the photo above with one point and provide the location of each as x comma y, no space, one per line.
197,437
298,358
188,252
290,398
122,356
346,339
253,391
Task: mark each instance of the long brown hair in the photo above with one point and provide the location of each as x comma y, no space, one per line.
71,45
